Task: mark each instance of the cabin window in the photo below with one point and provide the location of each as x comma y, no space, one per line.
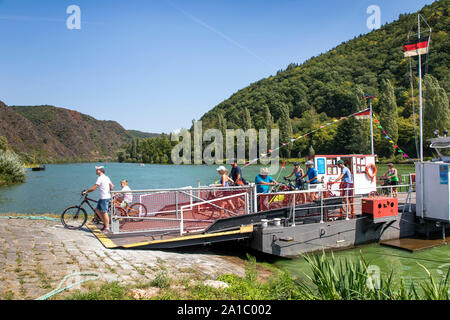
361,165
332,168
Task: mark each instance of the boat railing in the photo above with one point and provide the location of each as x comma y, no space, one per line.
179,210
332,202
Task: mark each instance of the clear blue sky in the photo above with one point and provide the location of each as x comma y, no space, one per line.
156,65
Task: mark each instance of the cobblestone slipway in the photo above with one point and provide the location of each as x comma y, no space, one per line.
36,255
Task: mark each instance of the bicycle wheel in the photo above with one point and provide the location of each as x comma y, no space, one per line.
137,210
74,217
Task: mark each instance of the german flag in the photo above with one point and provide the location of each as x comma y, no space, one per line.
365,114
416,47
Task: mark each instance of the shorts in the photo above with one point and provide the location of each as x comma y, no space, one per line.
349,187
102,205
393,183
300,185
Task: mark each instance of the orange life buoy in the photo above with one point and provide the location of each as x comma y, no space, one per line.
372,175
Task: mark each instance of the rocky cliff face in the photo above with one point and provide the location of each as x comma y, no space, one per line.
53,134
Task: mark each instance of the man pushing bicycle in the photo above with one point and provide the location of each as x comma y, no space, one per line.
105,186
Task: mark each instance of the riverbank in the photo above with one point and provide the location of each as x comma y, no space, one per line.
37,254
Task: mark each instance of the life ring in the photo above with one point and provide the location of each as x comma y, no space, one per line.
372,175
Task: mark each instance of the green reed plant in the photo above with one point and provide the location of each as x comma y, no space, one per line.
344,279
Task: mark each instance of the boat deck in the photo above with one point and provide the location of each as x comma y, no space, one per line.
415,244
141,233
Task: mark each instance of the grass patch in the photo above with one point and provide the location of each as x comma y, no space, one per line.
8,295
107,291
161,280
332,279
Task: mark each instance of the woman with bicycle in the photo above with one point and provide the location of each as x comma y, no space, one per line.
226,181
299,182
392,176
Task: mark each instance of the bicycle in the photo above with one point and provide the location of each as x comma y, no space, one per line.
384,191
75,217
137,209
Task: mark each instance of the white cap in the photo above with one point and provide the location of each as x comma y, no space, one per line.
264,171
221,168
309,162
101,168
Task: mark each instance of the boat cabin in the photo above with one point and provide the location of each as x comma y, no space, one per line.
361,166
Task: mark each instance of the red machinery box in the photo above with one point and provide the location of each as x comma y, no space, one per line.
380,207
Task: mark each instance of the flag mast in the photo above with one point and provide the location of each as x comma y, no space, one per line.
411,49
371,129
420,96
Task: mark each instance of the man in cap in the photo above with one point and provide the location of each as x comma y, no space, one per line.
104,185
263,181
236,174
346,185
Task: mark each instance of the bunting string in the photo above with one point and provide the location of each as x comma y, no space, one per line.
387,137
283,144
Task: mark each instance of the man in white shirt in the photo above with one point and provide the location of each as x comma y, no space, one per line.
104,185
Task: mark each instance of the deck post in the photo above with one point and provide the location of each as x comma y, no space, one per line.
181,221
321,206
293,211
255,199
176,204
346,213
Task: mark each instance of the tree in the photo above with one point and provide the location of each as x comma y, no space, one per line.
268,119
436,108
353,134
286,133
387,107
247,120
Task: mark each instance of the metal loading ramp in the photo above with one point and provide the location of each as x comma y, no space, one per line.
165,241
174,218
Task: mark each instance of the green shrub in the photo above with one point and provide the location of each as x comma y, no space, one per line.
11,168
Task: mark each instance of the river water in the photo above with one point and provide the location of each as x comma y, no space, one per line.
59,186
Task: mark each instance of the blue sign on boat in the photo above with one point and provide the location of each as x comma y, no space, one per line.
443,173
321,166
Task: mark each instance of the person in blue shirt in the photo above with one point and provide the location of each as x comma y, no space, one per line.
263,181
345,175
311,173
346,185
